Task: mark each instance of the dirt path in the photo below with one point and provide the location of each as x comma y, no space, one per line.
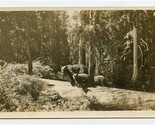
64,88
111,98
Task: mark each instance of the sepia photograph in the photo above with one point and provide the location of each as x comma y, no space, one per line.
68,60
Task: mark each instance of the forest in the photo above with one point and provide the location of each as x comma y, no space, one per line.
35,45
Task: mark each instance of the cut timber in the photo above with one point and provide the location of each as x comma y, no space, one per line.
109,98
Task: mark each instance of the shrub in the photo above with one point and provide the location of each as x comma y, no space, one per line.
22,92
43,71
48,62
6,100
39,70
29,85
61,76
17,88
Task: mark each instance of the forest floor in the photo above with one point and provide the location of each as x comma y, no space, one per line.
106,98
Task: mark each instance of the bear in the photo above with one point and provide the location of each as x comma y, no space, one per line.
83,80
69,70
99,80
70,75
76,68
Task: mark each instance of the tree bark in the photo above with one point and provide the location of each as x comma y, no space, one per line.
82,54
135,55
90,62
97,62
90,59
30,66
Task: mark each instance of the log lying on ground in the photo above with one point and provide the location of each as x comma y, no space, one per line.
108,98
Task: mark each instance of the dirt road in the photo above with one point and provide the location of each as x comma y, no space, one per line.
110,98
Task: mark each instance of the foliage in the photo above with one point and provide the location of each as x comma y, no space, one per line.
54,36
43,71
38,28
110,33
21,92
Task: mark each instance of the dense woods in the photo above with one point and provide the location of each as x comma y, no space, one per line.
118,44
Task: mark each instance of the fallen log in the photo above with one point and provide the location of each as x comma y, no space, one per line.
107,98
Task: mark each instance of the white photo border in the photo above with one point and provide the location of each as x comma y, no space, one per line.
25,5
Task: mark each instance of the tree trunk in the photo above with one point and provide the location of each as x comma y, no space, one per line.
90,59
82,55
30,66
135,55
97,62
90,62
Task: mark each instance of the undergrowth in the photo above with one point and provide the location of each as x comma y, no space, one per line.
21,92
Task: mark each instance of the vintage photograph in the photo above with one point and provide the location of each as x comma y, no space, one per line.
77,60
